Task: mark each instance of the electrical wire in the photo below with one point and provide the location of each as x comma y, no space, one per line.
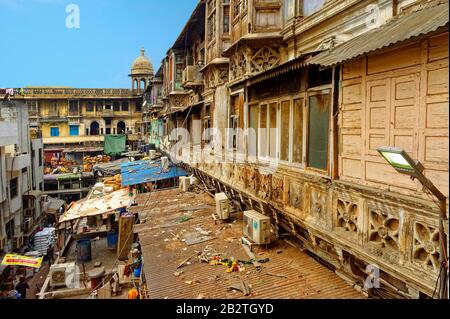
438,282
128,238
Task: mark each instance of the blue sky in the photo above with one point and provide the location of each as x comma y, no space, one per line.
36,48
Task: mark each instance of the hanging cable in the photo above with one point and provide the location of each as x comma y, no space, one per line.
127,239
438,282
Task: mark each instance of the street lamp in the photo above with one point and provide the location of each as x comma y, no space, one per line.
404,164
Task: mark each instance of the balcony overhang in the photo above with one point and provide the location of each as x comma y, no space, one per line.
189,85
72,139
268,38
195,25
216,61
53,119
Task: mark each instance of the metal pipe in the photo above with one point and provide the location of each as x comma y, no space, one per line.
443,288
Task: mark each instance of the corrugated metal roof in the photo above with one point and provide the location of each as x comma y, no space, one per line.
55,203
289,273
400,29
195,24
142,172
106,204
280,69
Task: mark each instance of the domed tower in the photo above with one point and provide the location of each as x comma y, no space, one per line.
141,73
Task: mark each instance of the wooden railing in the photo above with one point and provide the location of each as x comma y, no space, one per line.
61,92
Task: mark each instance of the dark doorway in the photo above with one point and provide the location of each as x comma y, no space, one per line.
121,128
95,128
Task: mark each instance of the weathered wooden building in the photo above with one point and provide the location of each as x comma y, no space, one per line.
311,89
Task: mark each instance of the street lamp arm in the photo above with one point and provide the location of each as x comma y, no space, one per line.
431,187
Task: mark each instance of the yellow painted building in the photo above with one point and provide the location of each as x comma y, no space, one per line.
75,120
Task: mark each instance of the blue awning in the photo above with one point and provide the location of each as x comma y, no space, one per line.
141,172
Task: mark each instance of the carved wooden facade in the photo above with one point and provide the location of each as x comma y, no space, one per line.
348,206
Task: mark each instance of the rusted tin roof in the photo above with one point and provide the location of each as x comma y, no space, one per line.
289,273
280,69
105,204
399,29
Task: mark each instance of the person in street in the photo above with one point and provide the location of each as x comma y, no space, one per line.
22,287
3,293
13,294
50,254
137,262
133,294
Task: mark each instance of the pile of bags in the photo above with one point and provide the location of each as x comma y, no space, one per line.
64,162
89,162
44,239
115,182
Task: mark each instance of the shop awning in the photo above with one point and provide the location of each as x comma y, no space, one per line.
106,204
399,29
33,193
110,168
142,172
53,205
281,69
67,177
115,144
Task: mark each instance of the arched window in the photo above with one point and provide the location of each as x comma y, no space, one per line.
90,107
121,128
136,84
116,106
138,106
143,84
99,107
95,128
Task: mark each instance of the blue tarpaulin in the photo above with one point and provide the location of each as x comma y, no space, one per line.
141,172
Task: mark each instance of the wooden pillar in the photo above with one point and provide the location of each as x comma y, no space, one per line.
125,239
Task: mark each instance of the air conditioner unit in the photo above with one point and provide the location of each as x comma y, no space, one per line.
222,206
28,223
17,242
257,227
29,212
3,243
62,275
184,183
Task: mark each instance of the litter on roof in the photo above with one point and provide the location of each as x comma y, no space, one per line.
219,267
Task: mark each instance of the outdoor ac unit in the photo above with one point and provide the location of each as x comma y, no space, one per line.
222,206
184,183
28,223
59,274
3,243
17,242
257,227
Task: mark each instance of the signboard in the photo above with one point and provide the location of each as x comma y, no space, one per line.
17,260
